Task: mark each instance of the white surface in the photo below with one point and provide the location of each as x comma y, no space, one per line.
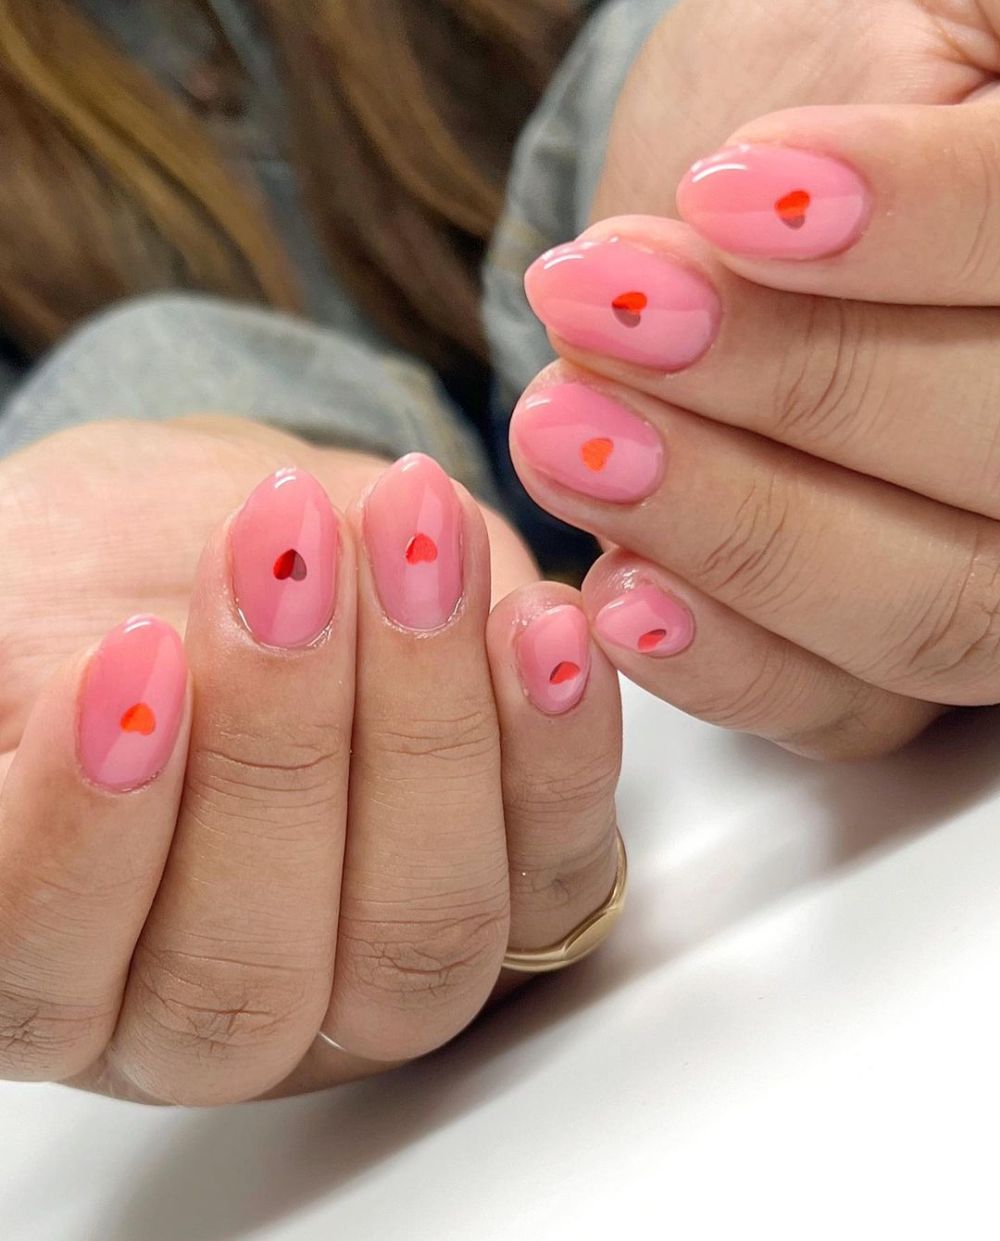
795,1034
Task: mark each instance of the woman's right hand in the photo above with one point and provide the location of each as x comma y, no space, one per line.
782,413
333,807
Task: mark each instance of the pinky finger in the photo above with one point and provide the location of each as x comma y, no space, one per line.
696,654
560,739
87,813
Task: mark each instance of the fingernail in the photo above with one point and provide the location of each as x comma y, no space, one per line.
284,546
648,621
131,704
553,657
617,298
775,202
589,443
413,528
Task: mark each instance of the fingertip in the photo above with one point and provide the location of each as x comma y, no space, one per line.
282,558
542,654
131,705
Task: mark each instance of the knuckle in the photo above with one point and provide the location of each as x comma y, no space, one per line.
978,171
770,691
831,375
855,734
581,875
951,646
543,796
41,1041
464,736
413,759
239,779
752,564
414,965
214,1007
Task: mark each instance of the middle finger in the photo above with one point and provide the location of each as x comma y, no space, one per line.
898,590
903,393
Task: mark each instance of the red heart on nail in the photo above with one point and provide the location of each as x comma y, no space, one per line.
650,641
595,453
566,671
793,207
421,550
628,308
290,565
139,719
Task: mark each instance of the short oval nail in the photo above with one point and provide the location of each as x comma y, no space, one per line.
617,298
775,202
586,441
132,704
413,531
284,547
648,621
553,657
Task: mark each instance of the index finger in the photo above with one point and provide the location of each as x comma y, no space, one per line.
886,204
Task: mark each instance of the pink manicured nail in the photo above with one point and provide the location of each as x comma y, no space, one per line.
775,202
284,544
589,443
131,704
648,621
553,654
413,527
617,298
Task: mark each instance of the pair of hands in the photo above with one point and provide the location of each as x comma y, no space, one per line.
816,549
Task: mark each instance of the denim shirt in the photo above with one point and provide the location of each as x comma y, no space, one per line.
332,377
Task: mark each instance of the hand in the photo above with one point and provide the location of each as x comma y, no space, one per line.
110,519
332,807
785,408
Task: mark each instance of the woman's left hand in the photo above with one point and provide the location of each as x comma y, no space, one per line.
110,519
207,858
786,409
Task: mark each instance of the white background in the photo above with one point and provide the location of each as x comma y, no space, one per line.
794,1034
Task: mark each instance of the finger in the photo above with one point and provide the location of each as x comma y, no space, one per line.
86,817
901,393
712,663
899,591
560,726
233,971
425,908
886,204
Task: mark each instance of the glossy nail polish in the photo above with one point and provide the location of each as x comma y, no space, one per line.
413,530
648,621
775,202
553,657
132,704
284,545
618,298
586,441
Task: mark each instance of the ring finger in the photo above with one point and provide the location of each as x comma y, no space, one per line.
425,905
903,393
900,591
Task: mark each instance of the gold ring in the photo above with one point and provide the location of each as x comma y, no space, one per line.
587,936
